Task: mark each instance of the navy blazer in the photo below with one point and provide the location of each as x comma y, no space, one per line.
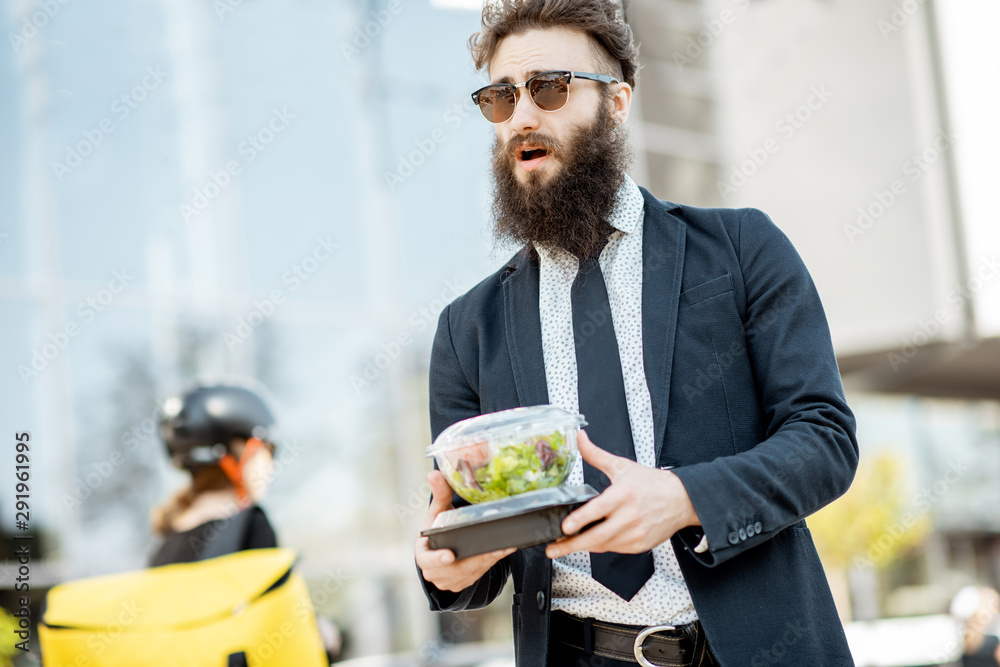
747,404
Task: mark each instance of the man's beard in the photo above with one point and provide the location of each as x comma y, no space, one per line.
570,210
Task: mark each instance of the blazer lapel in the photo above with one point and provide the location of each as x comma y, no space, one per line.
662,269
524,328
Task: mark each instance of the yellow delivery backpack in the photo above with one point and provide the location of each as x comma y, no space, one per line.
244,609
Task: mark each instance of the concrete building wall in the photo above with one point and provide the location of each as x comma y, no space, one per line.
862,128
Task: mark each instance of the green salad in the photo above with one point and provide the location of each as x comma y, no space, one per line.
539,462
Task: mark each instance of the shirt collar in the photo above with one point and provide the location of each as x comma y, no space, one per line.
629,206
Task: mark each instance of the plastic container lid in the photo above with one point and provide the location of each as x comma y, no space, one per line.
520,504
505,425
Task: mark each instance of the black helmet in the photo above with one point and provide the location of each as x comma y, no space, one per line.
198,425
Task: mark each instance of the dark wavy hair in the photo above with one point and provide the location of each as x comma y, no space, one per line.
601,19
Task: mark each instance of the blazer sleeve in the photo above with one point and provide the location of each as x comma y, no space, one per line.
810,452
452,398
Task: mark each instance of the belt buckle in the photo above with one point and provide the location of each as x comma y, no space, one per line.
641,637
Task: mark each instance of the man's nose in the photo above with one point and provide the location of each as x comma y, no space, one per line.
526,116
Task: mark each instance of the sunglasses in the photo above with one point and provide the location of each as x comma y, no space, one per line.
549,91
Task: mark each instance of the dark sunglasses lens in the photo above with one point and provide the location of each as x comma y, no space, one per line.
497,103
549,91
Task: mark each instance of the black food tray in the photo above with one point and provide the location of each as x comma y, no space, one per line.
523,521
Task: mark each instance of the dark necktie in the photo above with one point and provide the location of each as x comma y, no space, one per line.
601,388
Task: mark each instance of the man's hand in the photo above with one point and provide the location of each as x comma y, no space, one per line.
439,566
642,508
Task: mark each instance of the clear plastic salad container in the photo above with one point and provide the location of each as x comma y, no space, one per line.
503,454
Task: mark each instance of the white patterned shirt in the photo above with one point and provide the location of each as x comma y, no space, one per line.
665,597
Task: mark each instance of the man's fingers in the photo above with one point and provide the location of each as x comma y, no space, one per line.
476,565
440,496
485,561
427,557
440,568
596,508
592,539
439,557
440,489
611,465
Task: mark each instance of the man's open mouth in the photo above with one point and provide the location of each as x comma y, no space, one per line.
532,153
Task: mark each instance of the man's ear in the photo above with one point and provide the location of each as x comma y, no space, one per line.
621,103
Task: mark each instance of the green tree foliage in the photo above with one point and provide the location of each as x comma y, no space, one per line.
873,523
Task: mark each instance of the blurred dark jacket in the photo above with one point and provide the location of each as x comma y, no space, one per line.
985,655
249,529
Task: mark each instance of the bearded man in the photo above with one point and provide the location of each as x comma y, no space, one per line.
695,344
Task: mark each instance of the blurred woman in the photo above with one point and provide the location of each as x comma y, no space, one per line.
978,607
220,434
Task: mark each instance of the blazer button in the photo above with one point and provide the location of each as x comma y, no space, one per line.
750,531
757,528
541,600
734,537
743,534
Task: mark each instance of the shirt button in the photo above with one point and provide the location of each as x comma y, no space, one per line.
541,600
743,534
734,537
757,527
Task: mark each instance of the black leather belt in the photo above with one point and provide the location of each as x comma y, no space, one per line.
665,646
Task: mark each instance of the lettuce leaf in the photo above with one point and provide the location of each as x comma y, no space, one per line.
536,463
